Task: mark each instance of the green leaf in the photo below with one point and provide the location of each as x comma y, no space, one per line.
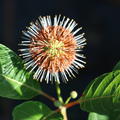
117,66
95,116
34,110
103,94
15,81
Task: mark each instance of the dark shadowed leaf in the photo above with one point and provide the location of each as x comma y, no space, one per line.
15,81
117,66
34,110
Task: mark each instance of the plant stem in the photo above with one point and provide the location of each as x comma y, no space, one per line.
58,90
71,104
67,101
62,108
63,112
48,96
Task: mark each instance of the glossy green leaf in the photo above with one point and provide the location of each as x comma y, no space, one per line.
34,110
95,116
103,94
117,66
15,81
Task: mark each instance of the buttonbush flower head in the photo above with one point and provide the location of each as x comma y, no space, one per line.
52,48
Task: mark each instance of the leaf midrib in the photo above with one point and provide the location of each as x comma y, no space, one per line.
95,98
25,85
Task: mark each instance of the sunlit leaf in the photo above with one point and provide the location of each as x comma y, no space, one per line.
103,94
95,116
15,81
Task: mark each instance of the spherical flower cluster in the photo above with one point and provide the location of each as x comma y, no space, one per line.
52,49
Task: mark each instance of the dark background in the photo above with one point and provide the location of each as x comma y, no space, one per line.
101,23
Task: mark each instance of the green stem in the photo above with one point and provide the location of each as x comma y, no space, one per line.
58,90
68,99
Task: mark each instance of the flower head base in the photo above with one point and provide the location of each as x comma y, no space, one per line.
53,49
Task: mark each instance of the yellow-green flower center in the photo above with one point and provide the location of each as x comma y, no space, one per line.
55,48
